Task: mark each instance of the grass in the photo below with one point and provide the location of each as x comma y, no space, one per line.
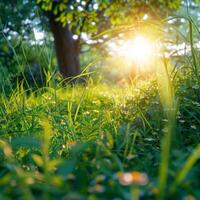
79,142
139,140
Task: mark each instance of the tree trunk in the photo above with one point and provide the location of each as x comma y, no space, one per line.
67,49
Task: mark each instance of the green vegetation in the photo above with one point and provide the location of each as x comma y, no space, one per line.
72,142
128,138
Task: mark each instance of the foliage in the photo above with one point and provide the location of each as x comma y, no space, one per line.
96,16
137,140
31,65
81,142
20,54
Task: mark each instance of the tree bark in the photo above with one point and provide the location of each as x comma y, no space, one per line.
67,49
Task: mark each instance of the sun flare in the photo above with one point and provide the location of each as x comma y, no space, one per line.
138,50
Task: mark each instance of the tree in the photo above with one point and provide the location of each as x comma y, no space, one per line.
68,18
74,17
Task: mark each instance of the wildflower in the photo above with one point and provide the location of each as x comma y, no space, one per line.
96,188
189,197
193,127
7,151
71,143
135,177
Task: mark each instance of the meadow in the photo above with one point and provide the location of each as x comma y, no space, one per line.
129,140
102,141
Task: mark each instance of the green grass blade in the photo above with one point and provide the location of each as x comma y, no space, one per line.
186,168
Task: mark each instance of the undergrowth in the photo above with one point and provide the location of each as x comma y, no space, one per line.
138,140
80,142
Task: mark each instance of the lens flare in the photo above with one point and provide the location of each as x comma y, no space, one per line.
139,50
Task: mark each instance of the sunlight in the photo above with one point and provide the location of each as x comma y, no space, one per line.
138,50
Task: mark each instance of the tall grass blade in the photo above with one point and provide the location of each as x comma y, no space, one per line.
186,168
166,91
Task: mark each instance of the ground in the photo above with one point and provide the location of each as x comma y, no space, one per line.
100,141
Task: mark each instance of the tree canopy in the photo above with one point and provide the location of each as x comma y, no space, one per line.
92,16
89,17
